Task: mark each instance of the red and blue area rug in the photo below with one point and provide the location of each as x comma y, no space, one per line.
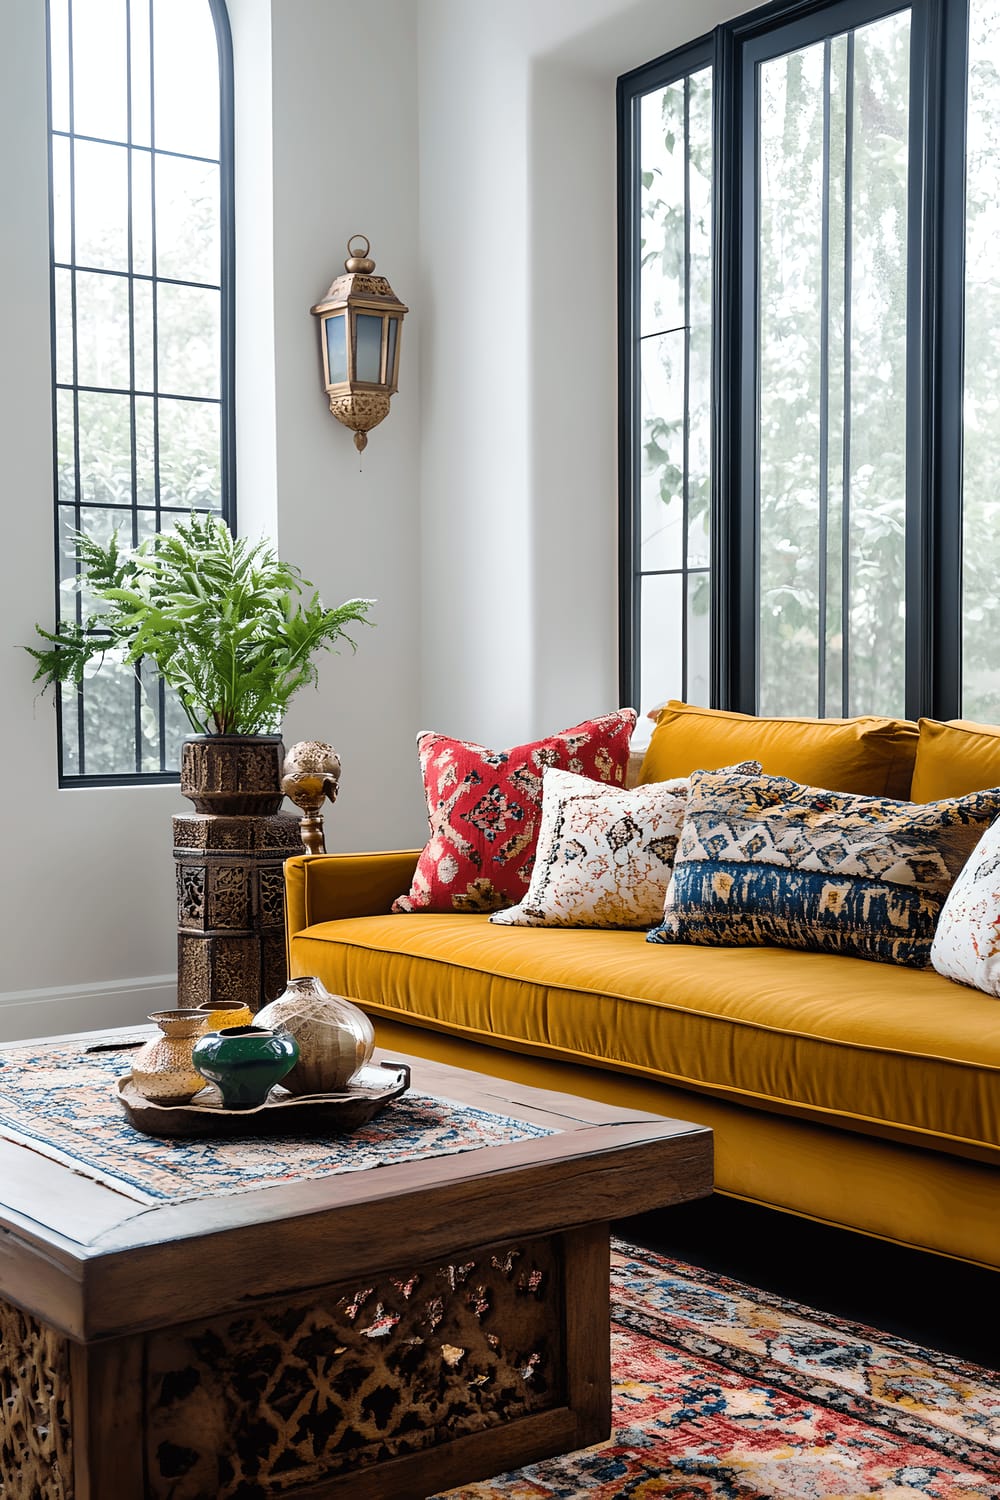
723,1392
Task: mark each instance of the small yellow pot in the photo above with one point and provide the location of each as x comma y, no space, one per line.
220,1013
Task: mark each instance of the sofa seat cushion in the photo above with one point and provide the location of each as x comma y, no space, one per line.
888,1051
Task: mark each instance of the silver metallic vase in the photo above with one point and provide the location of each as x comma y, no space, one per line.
335,1038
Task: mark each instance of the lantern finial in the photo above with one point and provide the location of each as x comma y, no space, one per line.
359,263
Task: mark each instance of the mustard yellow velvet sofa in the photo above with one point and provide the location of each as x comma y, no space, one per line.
859,1094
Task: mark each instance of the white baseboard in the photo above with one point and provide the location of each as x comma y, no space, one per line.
84,1007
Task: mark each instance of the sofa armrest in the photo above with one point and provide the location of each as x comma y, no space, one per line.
321,887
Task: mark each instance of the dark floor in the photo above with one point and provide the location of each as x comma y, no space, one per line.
941,1303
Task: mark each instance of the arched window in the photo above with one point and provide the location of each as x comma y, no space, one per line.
141,116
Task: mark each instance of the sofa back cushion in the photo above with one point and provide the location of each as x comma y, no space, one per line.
763,860
955,758
866,755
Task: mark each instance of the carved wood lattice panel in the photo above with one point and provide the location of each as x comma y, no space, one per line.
266,1401
35,1432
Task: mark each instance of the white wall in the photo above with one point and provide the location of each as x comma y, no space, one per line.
342,159
519,388
474,144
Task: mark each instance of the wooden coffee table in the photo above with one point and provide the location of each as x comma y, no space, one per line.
382,1333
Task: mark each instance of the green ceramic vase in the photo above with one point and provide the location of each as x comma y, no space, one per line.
245,1061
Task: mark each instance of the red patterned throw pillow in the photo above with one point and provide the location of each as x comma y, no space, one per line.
483,807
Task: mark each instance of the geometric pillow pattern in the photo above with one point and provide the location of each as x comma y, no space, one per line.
484,806
966,944
604,854
764,860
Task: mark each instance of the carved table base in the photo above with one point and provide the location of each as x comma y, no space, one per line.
35,1409
391,1387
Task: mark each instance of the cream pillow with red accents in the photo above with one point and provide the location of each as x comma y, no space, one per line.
966,944
605,854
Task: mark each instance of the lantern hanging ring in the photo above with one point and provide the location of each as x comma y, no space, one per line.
359,263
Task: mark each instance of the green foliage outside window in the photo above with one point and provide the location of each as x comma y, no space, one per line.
865,341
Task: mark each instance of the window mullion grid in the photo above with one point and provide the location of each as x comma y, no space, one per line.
227,267
636,435
945,509
824,387
54,336
939,82
934,368
100,140
202,286
77,511
657,333
161,694
117,390
629,329
66,333
686,435
845,513
674,572
731,536
133,462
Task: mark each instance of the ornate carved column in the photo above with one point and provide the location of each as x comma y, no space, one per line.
231,905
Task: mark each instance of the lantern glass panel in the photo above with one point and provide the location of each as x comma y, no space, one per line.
390,363
336,347
368,362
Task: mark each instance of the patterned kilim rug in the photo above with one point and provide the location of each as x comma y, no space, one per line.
59,1099
722,1391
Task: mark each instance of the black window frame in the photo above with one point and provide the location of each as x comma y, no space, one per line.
671,69
935,339
227,414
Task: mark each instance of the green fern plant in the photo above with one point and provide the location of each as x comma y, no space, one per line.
227,624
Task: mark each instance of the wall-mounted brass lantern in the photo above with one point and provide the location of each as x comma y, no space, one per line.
360,324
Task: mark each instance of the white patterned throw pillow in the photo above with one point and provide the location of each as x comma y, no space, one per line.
604,854
966,942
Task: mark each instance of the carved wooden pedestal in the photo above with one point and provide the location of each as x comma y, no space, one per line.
231,906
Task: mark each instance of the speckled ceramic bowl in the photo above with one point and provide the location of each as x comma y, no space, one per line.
162,1070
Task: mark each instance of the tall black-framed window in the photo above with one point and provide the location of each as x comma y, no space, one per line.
856,302
142,253
667,350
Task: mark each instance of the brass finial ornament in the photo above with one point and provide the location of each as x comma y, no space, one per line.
311,775
360,323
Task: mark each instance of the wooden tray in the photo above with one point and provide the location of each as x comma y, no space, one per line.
282,1113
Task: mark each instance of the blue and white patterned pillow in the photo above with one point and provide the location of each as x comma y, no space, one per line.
762,860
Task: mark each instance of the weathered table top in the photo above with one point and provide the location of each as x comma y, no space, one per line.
94,1263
